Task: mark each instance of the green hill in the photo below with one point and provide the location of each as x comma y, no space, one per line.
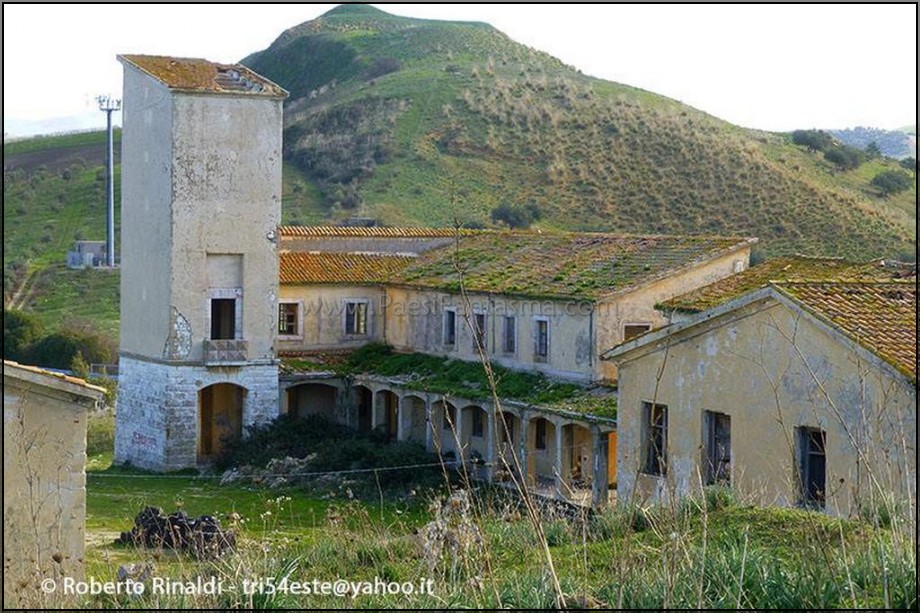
416,121
423,122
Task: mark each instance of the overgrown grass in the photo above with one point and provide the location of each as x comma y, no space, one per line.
711,552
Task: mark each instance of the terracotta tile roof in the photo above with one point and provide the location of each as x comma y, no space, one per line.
560,264
202,76
778,269
11,366
299,267
879,315
352,232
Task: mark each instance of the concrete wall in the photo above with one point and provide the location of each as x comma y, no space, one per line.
227,201
157,421
762,366
201,176
322,316
638,307
146,216
415,322
44,484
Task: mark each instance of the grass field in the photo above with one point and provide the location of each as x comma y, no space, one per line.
480,552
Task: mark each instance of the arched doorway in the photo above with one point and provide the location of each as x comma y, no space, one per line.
414,412
220,418
312,399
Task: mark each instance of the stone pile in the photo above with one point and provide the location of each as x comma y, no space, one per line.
202,535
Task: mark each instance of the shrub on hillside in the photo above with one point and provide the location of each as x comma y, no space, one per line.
845,158
60,349
20,330
892,182
516,217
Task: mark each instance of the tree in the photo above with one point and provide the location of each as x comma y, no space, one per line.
20,331
814,140
873,150
909,164
892,181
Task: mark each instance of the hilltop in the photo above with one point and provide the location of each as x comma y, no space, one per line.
422,122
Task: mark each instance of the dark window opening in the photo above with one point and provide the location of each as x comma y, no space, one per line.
479,328
287,318
450,327
510,338
813,466
478,423
223,318
655,420
634,330
541,350
507,434
718,448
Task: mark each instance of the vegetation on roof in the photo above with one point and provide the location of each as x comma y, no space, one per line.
879,315
776,269
463,379
557,265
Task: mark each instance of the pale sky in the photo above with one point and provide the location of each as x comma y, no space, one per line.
773,67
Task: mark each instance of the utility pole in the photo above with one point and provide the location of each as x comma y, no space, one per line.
107,104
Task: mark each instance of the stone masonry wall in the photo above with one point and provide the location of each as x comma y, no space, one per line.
157,411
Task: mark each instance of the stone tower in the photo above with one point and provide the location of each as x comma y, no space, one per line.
201,203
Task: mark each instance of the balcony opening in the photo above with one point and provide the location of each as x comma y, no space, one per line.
223,318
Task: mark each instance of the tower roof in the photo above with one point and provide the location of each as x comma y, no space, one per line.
193,75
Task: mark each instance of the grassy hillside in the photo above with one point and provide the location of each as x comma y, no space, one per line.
421,122
54,194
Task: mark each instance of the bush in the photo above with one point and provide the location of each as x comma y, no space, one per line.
846,158
909,164
892,182
59,350
517,217
20,331
334,447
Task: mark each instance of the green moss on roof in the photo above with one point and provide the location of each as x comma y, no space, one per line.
582,266
461,379
777,269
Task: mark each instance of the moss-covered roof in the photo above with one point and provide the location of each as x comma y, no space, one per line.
879,315
559,265
777,269
201,76
463,379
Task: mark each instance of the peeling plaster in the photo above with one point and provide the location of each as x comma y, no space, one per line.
179,342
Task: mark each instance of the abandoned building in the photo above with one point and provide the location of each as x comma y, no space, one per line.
793,393
204,319
44,478
227,317
201,204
